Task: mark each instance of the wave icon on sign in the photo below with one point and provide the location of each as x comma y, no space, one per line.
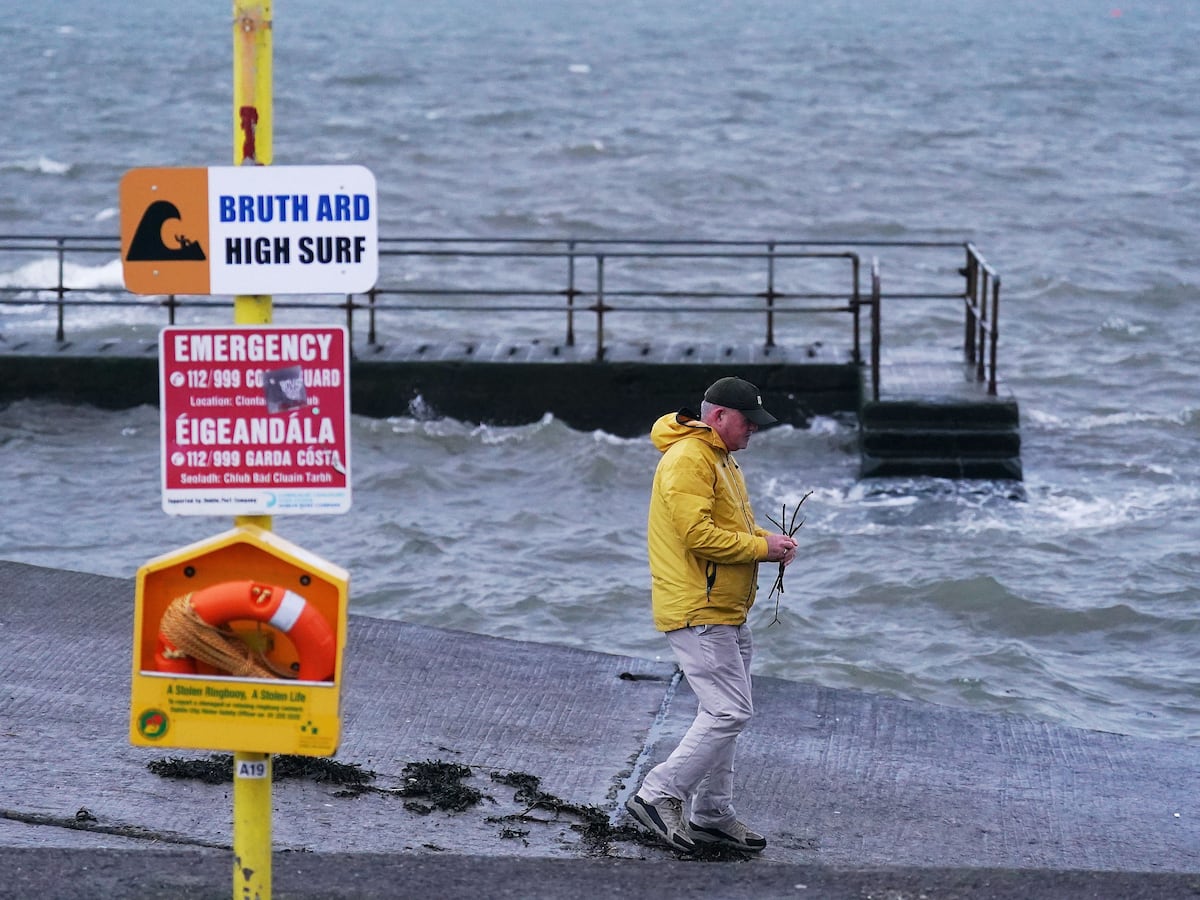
148,244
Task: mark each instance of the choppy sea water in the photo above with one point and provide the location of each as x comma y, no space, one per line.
1062,139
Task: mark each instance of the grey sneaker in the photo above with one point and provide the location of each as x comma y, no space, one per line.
735,835
664,818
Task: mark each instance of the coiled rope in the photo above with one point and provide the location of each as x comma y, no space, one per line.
221,648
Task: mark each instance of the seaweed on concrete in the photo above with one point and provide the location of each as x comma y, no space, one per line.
596,832
217,768
438,785
441,783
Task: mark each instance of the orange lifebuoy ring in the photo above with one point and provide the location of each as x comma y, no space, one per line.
282,609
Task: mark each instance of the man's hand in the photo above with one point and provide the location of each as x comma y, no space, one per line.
780,548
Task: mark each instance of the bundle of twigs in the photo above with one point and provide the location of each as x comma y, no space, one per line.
792,527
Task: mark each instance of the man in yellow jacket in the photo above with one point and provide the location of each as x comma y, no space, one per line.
704,551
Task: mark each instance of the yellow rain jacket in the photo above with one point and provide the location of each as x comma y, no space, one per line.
704,546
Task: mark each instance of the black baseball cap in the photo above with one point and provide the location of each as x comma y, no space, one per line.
734,393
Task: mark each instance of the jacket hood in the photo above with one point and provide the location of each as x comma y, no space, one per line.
679,426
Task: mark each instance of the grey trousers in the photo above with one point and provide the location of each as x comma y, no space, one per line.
716,662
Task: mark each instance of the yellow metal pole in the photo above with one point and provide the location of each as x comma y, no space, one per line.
252,133
252,115
252,127
252,826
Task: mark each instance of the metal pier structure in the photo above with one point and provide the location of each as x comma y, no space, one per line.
603,334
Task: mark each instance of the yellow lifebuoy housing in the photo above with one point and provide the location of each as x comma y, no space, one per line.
196,628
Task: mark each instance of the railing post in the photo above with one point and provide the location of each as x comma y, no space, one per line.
571,292
770,293
856,307
600,307
876,320
995,333
981,331
371,295
60,334
972,295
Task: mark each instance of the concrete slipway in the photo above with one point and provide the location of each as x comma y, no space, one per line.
860,795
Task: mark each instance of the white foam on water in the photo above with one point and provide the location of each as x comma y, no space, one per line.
41,165
43,273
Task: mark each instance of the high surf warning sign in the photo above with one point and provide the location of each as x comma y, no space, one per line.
249,230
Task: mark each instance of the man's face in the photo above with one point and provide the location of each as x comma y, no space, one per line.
734,428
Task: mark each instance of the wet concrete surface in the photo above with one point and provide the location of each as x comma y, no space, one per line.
859,795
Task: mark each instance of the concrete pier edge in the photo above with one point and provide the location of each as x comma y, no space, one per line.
860,795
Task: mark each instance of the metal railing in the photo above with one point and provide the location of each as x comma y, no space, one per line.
594,292
480,286
982,304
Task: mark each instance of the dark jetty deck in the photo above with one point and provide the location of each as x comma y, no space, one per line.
931,418
820,350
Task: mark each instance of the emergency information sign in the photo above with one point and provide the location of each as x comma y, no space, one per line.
249,230
255,420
